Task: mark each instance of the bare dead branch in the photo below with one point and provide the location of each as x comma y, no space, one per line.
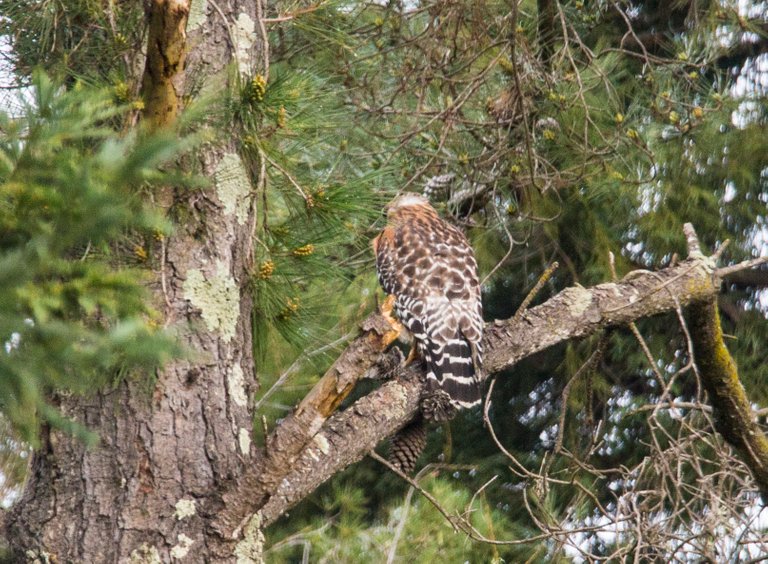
587,366
543,279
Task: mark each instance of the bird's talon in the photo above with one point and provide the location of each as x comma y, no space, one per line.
386,309
413,355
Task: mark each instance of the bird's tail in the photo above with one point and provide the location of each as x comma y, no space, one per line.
454,367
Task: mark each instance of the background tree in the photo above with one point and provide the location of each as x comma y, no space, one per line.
551,130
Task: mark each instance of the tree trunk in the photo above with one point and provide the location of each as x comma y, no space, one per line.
168,445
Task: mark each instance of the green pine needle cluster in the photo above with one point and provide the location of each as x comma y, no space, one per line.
88,41
317,210
349,535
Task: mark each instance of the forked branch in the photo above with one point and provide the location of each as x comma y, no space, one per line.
573,313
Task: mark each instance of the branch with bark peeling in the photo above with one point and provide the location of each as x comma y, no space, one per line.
302,457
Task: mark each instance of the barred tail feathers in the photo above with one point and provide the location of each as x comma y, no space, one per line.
451,368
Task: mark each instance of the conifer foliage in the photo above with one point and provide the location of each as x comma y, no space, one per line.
74,314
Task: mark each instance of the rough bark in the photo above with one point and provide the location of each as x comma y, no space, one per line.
169,443
297,430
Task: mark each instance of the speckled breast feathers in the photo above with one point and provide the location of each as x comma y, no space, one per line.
429,266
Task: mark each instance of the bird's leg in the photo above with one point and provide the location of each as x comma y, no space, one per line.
385,309
396,328
403,334
413,355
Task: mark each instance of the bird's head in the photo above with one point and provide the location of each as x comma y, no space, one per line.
406,200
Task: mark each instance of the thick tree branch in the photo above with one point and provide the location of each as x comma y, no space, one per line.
161,88
166,49
573,313
298,432
719,374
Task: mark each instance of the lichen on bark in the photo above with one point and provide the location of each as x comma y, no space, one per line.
197,10
236,385
250,549
244,31
233,186
244,440
185,508
217,297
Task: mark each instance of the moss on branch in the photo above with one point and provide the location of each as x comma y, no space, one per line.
720,377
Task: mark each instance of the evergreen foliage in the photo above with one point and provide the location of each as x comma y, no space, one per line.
593,150
72,318
90,41
348,537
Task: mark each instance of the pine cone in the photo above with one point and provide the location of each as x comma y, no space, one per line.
437,406
407,445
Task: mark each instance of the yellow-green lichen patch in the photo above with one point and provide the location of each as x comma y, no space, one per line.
233,186
236,386
185,508
217,297
145,554
182,548
251,548
322,443
244,30
699,286
38,557
579,299
244,440
196,14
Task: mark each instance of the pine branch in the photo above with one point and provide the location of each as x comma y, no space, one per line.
298,432
312,445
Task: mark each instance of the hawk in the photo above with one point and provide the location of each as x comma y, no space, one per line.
430,268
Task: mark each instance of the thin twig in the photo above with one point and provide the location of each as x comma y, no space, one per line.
461,525
545,276
287,175
296,364
292,15
747,264
590,363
